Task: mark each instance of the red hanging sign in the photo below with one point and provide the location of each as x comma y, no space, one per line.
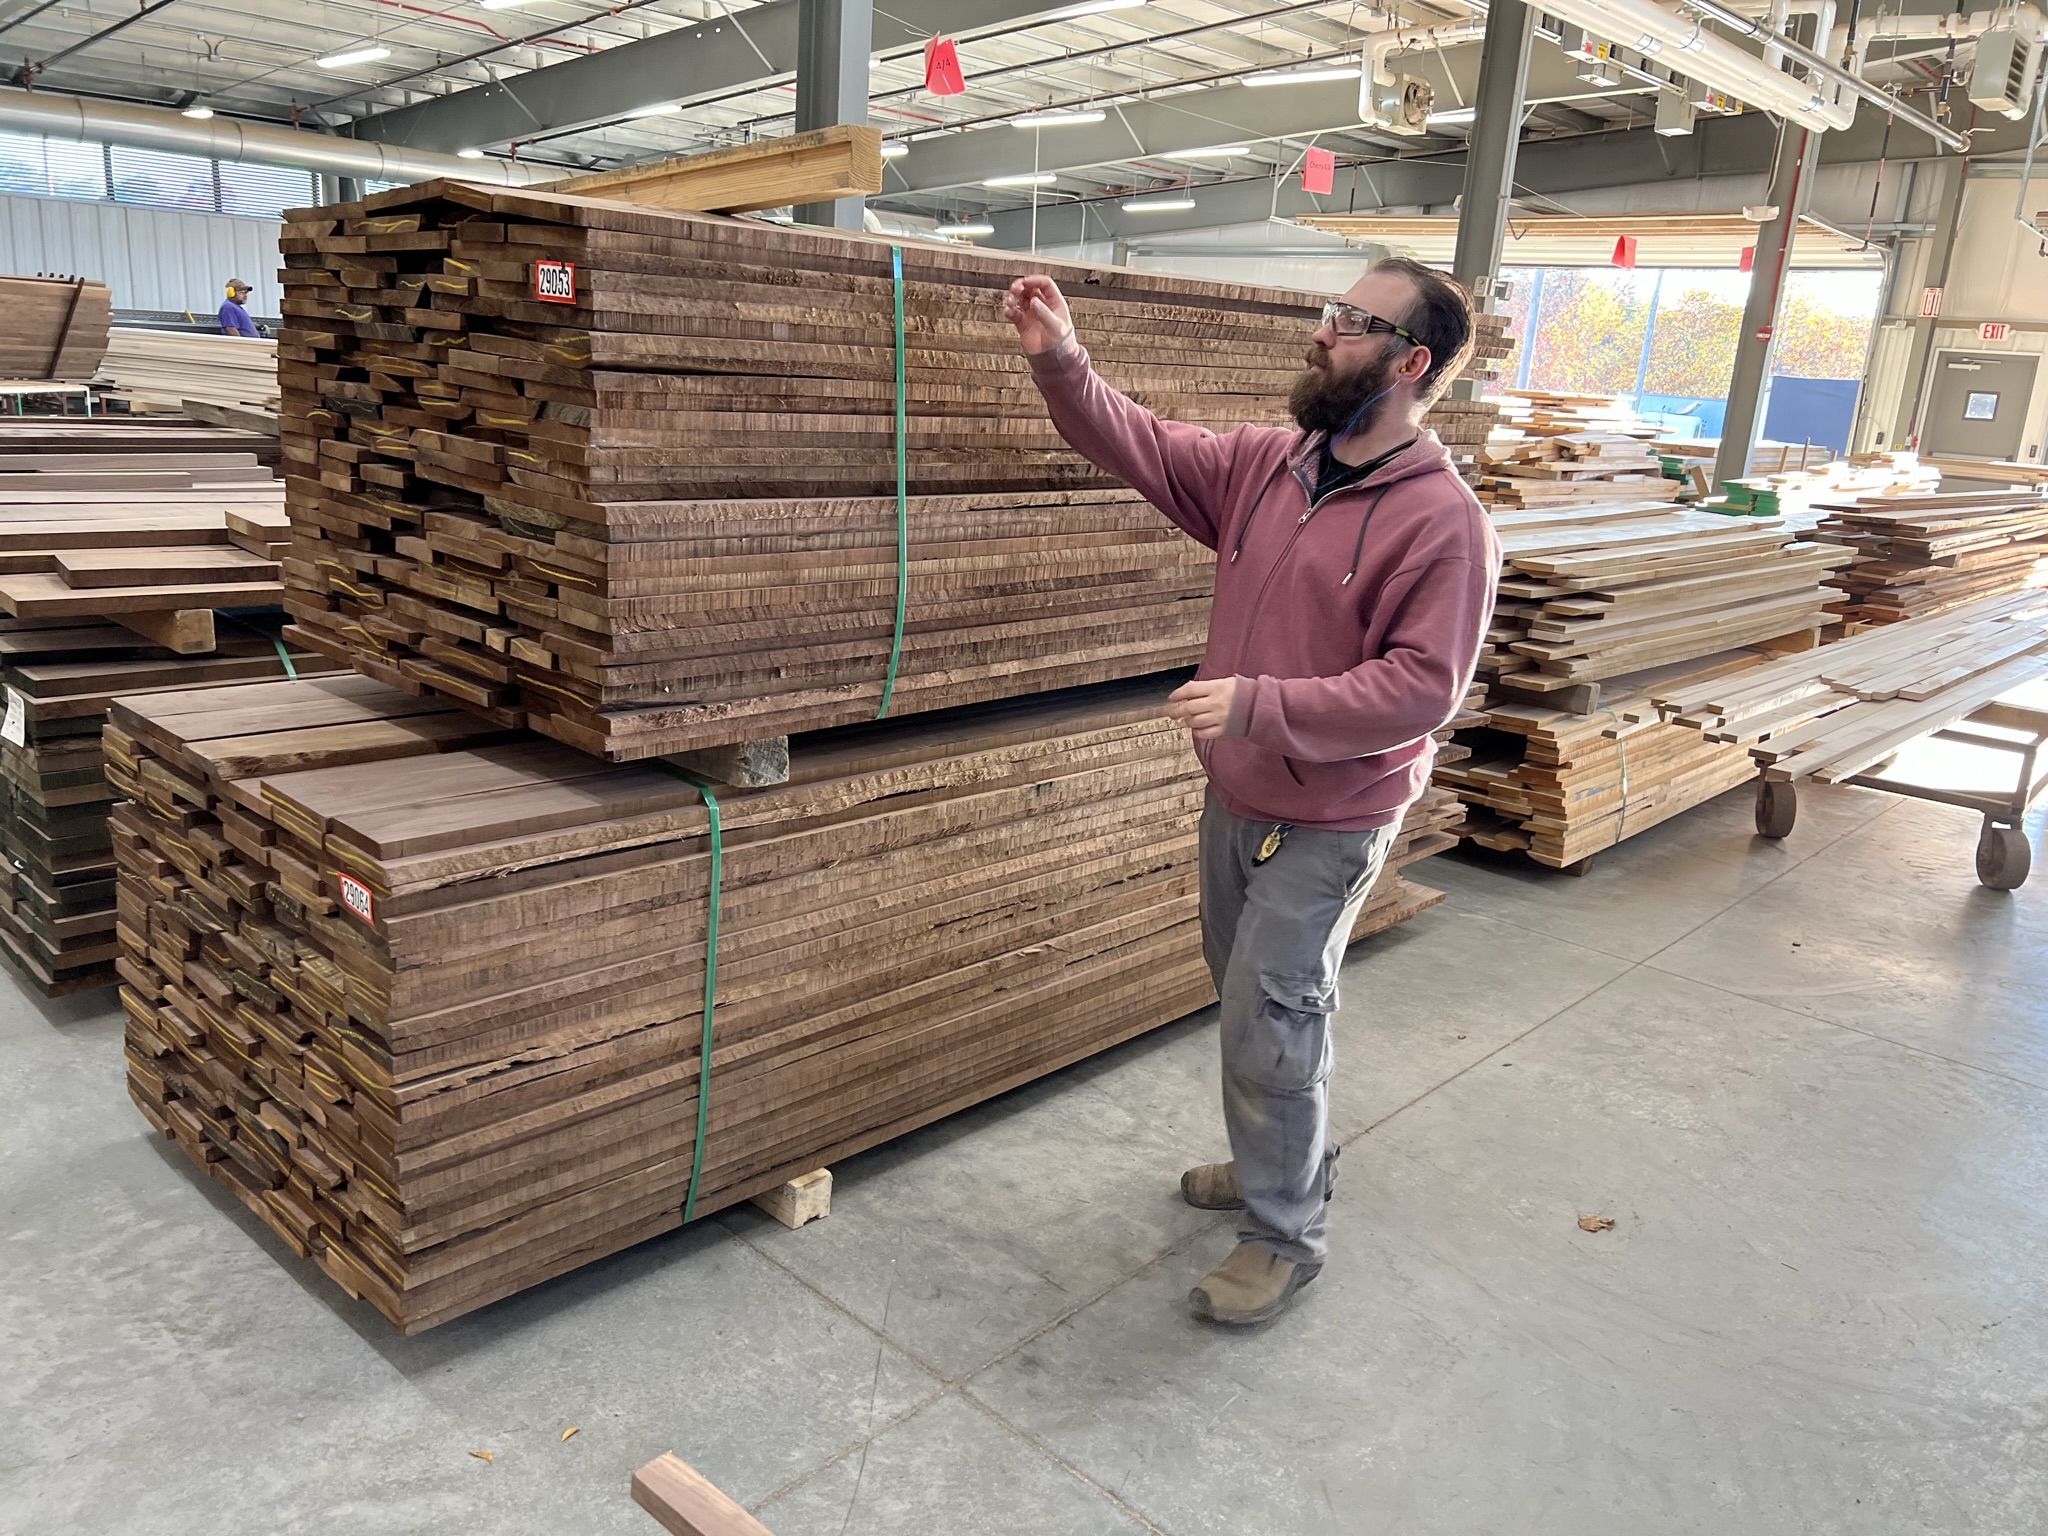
1746,262
1994,330
1319,170
1625,251
942,74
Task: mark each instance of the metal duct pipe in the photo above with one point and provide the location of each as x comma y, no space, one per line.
1817,65
104,122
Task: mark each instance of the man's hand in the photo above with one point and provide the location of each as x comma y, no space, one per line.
1039,311
1203,706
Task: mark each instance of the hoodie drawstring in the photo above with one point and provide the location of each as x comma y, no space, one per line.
1358,549
1252,510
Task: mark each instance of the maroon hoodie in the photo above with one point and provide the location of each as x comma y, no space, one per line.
1352,623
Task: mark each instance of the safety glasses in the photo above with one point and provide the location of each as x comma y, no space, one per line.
1349,320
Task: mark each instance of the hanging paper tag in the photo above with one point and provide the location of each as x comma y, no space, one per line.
1624,250
14,727
555,281
1319,170
942,73
355,896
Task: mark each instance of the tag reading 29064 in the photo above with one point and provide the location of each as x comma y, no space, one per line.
555,281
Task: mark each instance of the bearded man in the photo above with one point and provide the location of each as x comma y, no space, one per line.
1354,580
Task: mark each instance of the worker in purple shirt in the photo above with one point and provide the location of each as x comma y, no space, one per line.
234,315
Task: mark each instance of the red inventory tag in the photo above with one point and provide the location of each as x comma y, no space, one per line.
555,281
355,896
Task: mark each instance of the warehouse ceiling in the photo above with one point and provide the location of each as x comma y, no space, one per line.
1176,82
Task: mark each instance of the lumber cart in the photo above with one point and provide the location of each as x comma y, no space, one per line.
2004,726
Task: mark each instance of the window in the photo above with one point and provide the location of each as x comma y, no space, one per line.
51,167
265,191
160,180
1981,406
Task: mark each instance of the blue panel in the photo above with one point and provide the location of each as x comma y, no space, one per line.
1820,411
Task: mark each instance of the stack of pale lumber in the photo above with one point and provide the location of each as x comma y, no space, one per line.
112,434
1607,590
662,516
1918,555
57,886
153,541
1832,713
1573,456
1563,786
1549,413
433,1007
163,369
56,327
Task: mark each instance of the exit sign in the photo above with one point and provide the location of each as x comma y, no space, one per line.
1993,330
1930,303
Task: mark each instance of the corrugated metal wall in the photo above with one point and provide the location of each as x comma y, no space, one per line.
152,258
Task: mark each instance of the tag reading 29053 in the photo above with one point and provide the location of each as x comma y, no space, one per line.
555,281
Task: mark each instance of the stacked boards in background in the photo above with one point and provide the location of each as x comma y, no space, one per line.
114,434
627,475
1595,604
428,994
1920,555
61,677
191,371
56,327
115,552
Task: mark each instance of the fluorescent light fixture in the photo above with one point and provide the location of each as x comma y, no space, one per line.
973,227
469,154
196,111
1303,76
1091,8
353,56
1213,152
1180,203
1024,179
1454,115
661,110
895,151
1055,119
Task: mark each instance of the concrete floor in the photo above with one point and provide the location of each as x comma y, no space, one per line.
1809,1082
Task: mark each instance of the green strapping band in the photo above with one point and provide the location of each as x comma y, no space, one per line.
284,656
902,490
710,991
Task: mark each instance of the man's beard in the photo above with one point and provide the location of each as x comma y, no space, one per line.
1323,400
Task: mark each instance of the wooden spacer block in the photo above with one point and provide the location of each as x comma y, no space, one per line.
804,1198
188,631
687,1503
1572,698
742,764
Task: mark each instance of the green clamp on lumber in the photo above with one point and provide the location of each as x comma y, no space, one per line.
902,491
1671,466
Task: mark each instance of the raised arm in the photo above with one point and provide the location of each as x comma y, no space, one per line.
1183,470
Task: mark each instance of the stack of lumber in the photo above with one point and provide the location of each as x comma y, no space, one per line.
1608,590
1832,713
1562,786
56,327
160,370
1573,456
111,434
433,1007
1595,604
1547,448
1919,555
61,677
659,515
153,541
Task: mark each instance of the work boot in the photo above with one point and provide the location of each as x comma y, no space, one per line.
1212,1187
1251,1286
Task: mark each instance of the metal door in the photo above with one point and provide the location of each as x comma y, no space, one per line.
1977,408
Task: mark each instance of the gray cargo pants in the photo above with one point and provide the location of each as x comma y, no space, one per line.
1274,932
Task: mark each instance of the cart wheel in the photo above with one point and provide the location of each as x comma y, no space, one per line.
1777,807
2004,858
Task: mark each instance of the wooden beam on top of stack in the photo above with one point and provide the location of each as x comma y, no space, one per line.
1594,605
433,1010
1920,555
591,515
56,327
841,161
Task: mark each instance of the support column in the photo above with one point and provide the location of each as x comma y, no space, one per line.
1792,177
834,39
1490,149
1941,248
